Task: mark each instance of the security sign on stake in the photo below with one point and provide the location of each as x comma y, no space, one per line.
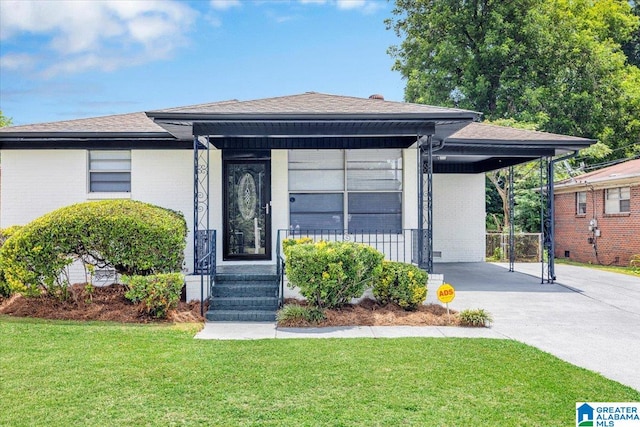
446,293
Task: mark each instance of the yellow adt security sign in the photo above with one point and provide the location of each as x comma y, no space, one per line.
446,293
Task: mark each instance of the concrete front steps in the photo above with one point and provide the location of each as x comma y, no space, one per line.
250,296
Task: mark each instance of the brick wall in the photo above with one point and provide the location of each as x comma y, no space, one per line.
619,233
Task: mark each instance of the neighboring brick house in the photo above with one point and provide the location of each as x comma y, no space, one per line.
597,215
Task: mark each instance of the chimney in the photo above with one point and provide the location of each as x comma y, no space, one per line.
377,96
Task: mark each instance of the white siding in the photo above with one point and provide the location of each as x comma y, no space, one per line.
35,182
459,217
165,178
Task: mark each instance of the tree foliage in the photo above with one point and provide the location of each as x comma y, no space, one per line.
561,66
4,120
556,63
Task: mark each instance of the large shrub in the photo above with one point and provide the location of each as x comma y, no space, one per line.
401,283
5,233
330,274
132,237
156,294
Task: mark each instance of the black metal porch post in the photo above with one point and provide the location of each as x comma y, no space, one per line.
425,245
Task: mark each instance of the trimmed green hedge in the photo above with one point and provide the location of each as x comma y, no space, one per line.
156,294
401,283
330,274
133,237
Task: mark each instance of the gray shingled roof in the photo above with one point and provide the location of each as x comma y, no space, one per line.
488,132
628,170
119,123
310,103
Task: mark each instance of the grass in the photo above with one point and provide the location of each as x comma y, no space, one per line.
59,373
612,268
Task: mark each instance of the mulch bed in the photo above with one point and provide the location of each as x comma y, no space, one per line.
104,303
108,303
369,313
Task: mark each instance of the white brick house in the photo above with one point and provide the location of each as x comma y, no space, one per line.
304,162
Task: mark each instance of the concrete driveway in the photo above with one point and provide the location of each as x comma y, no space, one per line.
589,318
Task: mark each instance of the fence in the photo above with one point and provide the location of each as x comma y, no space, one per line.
527,246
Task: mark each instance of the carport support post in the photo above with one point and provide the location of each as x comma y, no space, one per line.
512,226
425,245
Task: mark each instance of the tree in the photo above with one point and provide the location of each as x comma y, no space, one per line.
562,66
4,120
556,63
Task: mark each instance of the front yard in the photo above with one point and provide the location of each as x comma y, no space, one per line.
60,373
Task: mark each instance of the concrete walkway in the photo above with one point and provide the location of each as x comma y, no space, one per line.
589,318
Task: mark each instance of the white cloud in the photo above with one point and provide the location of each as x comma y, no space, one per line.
350,4
17,61
84,35
366,6
224,4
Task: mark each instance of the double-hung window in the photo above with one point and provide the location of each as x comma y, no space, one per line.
581,203
354,190
617,200
110,171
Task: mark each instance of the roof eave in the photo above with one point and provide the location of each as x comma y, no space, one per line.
440,116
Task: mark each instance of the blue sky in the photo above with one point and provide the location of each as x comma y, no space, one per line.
62,60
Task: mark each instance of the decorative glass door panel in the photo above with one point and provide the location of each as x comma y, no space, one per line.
247,205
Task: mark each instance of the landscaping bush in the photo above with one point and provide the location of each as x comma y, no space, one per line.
5,233
401,283
132,237
475,317
330,274
157,294
296,313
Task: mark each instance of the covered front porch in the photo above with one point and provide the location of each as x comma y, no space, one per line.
285,167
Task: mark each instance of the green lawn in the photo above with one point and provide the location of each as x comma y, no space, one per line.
57,373
612,268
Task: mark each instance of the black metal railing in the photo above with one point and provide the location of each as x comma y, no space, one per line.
280,270
396,245
205,264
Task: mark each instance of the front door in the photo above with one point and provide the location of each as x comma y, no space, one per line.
247,208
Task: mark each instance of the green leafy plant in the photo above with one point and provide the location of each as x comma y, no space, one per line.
401,283
296,313
330,274
157,294
475,317
634,263
5,233
132,237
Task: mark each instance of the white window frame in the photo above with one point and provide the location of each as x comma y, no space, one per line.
615,198
124,157
581,203
315,187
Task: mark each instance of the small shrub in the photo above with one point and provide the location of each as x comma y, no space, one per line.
475,317
330,274
157,294
134,238
401,283
634,263
297,313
